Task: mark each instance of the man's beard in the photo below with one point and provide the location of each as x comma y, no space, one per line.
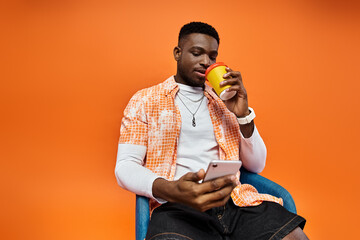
188,80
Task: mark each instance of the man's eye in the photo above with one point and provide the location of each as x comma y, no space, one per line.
196,54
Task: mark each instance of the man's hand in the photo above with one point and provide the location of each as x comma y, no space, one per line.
201,196
239,103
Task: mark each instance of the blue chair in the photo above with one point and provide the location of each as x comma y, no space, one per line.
262,184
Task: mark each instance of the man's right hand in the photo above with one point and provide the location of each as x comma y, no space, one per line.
201,196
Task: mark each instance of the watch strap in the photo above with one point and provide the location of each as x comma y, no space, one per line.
247,119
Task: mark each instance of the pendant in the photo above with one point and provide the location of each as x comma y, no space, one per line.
193,122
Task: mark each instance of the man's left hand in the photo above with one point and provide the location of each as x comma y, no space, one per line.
239,103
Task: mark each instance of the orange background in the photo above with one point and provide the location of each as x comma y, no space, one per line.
68,68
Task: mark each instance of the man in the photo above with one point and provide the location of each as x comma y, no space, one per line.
169,134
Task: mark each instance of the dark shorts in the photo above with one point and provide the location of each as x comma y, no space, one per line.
178,222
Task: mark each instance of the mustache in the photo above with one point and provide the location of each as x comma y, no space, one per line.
201,70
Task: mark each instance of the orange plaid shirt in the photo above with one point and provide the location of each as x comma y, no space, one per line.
152,119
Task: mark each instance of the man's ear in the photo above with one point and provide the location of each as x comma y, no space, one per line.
177,53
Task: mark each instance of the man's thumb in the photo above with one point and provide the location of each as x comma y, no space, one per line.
195,176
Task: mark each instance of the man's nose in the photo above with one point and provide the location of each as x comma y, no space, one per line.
205,61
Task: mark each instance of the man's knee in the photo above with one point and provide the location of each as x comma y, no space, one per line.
296,234
169,236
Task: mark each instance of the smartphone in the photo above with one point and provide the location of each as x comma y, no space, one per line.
219,168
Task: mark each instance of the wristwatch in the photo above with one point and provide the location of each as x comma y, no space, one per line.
248,118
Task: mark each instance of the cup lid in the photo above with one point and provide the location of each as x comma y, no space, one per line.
212,66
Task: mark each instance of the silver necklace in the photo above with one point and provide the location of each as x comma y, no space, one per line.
198,100
193,114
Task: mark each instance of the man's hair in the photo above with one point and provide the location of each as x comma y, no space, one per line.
198,27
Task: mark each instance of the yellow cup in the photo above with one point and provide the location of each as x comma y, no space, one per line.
214,74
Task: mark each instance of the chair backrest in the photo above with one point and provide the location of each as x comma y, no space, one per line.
262,184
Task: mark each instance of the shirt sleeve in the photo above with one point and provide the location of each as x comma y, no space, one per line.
130,172
134,126
253,152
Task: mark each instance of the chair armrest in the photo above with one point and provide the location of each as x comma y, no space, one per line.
142,216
